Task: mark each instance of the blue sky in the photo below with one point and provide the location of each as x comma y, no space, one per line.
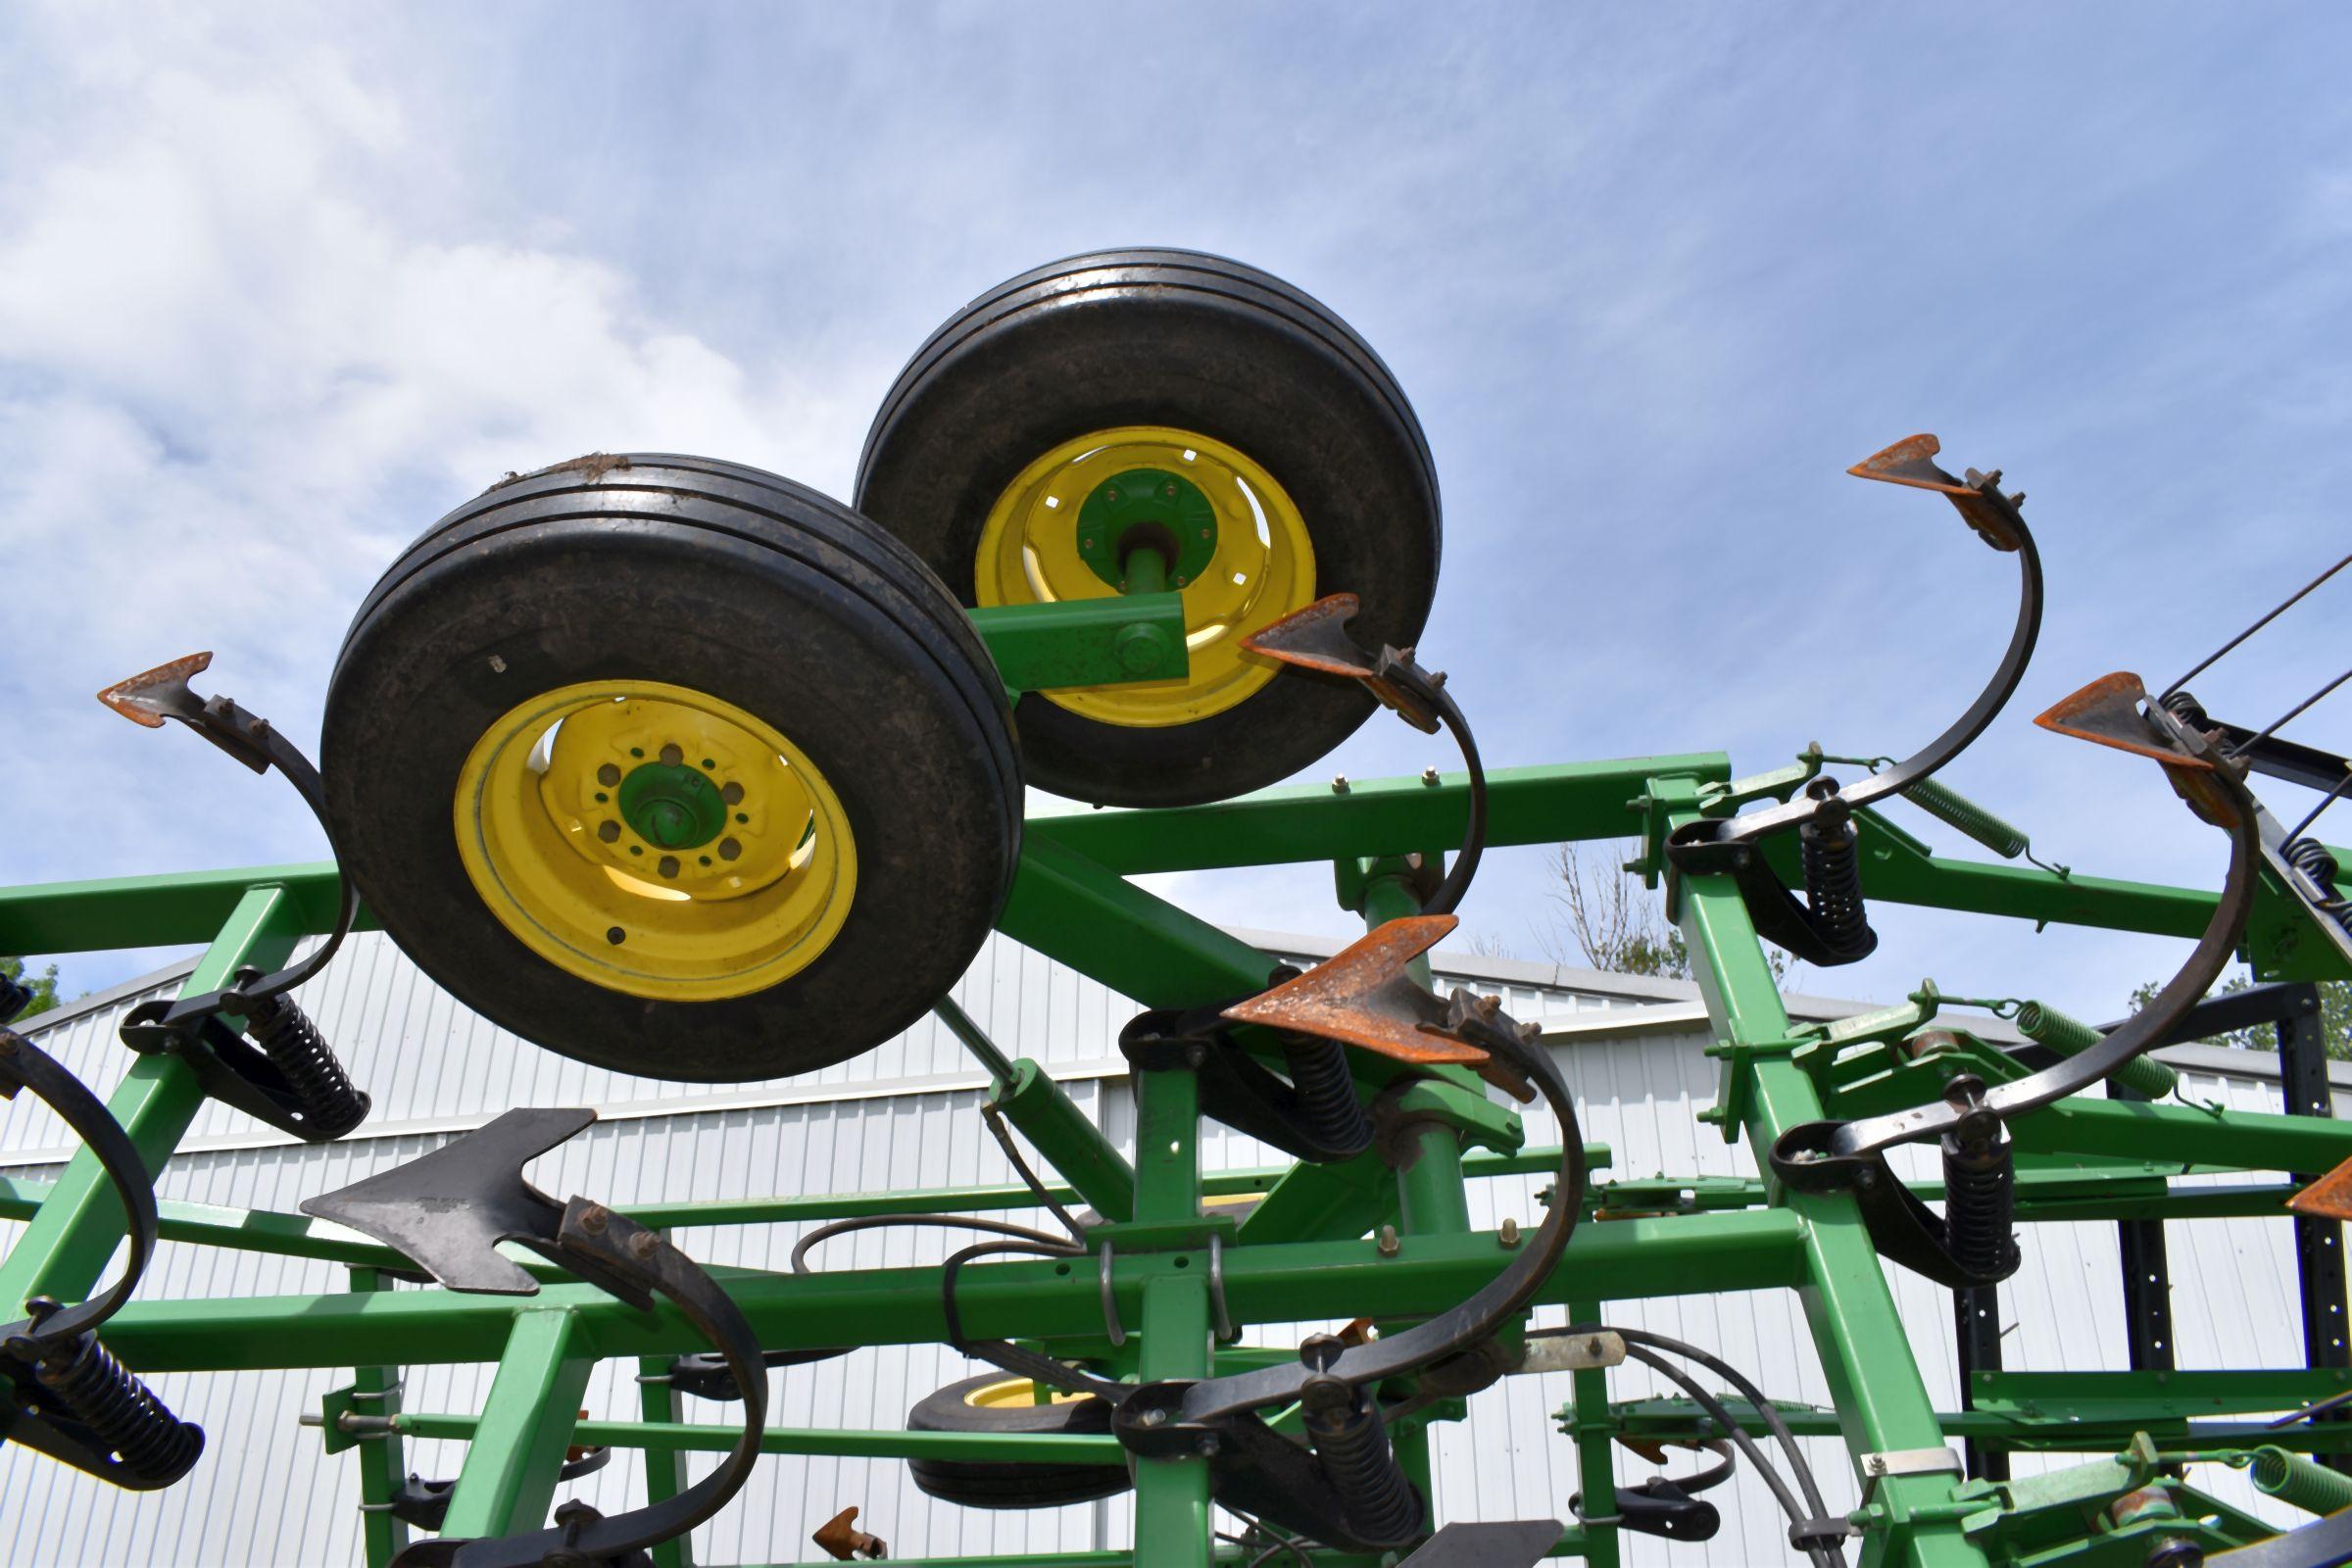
277,287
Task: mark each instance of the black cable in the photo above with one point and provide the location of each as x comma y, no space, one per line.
875,1222
1754,1395
1281,1543
996,1124
1732,1429
1765,1409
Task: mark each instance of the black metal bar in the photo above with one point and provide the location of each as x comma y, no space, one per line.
1977,1326
2319,1243
2148,1279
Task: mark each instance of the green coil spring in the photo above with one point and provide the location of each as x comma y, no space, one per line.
1950,806
2291,1477
2070,1037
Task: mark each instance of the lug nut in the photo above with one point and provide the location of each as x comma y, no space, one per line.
668,866
732,794
608,831
607,775
728,849
671,756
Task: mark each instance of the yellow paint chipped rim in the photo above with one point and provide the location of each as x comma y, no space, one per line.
1264,568
1014,1394
542,838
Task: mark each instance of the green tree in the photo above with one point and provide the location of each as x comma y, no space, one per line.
2335,1018
43,985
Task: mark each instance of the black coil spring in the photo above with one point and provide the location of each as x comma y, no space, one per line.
86,1385
1327,1102
1980,1209
2310,857
330,1102
1834,886
1383,1509
2188,711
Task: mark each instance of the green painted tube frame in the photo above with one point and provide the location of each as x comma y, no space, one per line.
1073,899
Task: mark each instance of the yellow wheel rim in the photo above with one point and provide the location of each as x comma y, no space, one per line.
654,839
1014,1394
1260,569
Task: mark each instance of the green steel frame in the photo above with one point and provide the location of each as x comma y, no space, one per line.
1307,1246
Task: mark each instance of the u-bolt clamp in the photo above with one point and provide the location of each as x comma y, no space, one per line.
287,1076
66,1393
448,1211
1346,1488
1315,640
1972,1246
1831,926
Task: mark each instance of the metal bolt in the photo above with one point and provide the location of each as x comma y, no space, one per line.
1429,775
732,794
1508,1233
1152,1418
608,831
728,849
1204,533
643,1244
607,775
593,1217
671,756
1170,488
1179,579
1388,1243
1208,1445
668,866
1339,783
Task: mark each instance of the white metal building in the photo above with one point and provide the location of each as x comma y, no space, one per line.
903,1116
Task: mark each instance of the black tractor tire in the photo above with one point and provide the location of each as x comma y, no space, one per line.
733,582
1196,342
975,1485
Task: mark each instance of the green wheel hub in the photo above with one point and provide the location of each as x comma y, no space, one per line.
671,805
1147,507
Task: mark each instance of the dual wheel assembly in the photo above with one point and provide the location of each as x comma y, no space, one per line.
687,770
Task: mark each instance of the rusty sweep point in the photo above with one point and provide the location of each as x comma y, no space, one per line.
1911,461
146,697
842,1540
1315,637
2107,711
1363,996
1977,498
2329,1198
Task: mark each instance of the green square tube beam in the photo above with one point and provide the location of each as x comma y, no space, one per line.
1678,1255
1086,642
1881,1398
508,1478
65,1245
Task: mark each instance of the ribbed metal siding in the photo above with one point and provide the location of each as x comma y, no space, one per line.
267,1494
